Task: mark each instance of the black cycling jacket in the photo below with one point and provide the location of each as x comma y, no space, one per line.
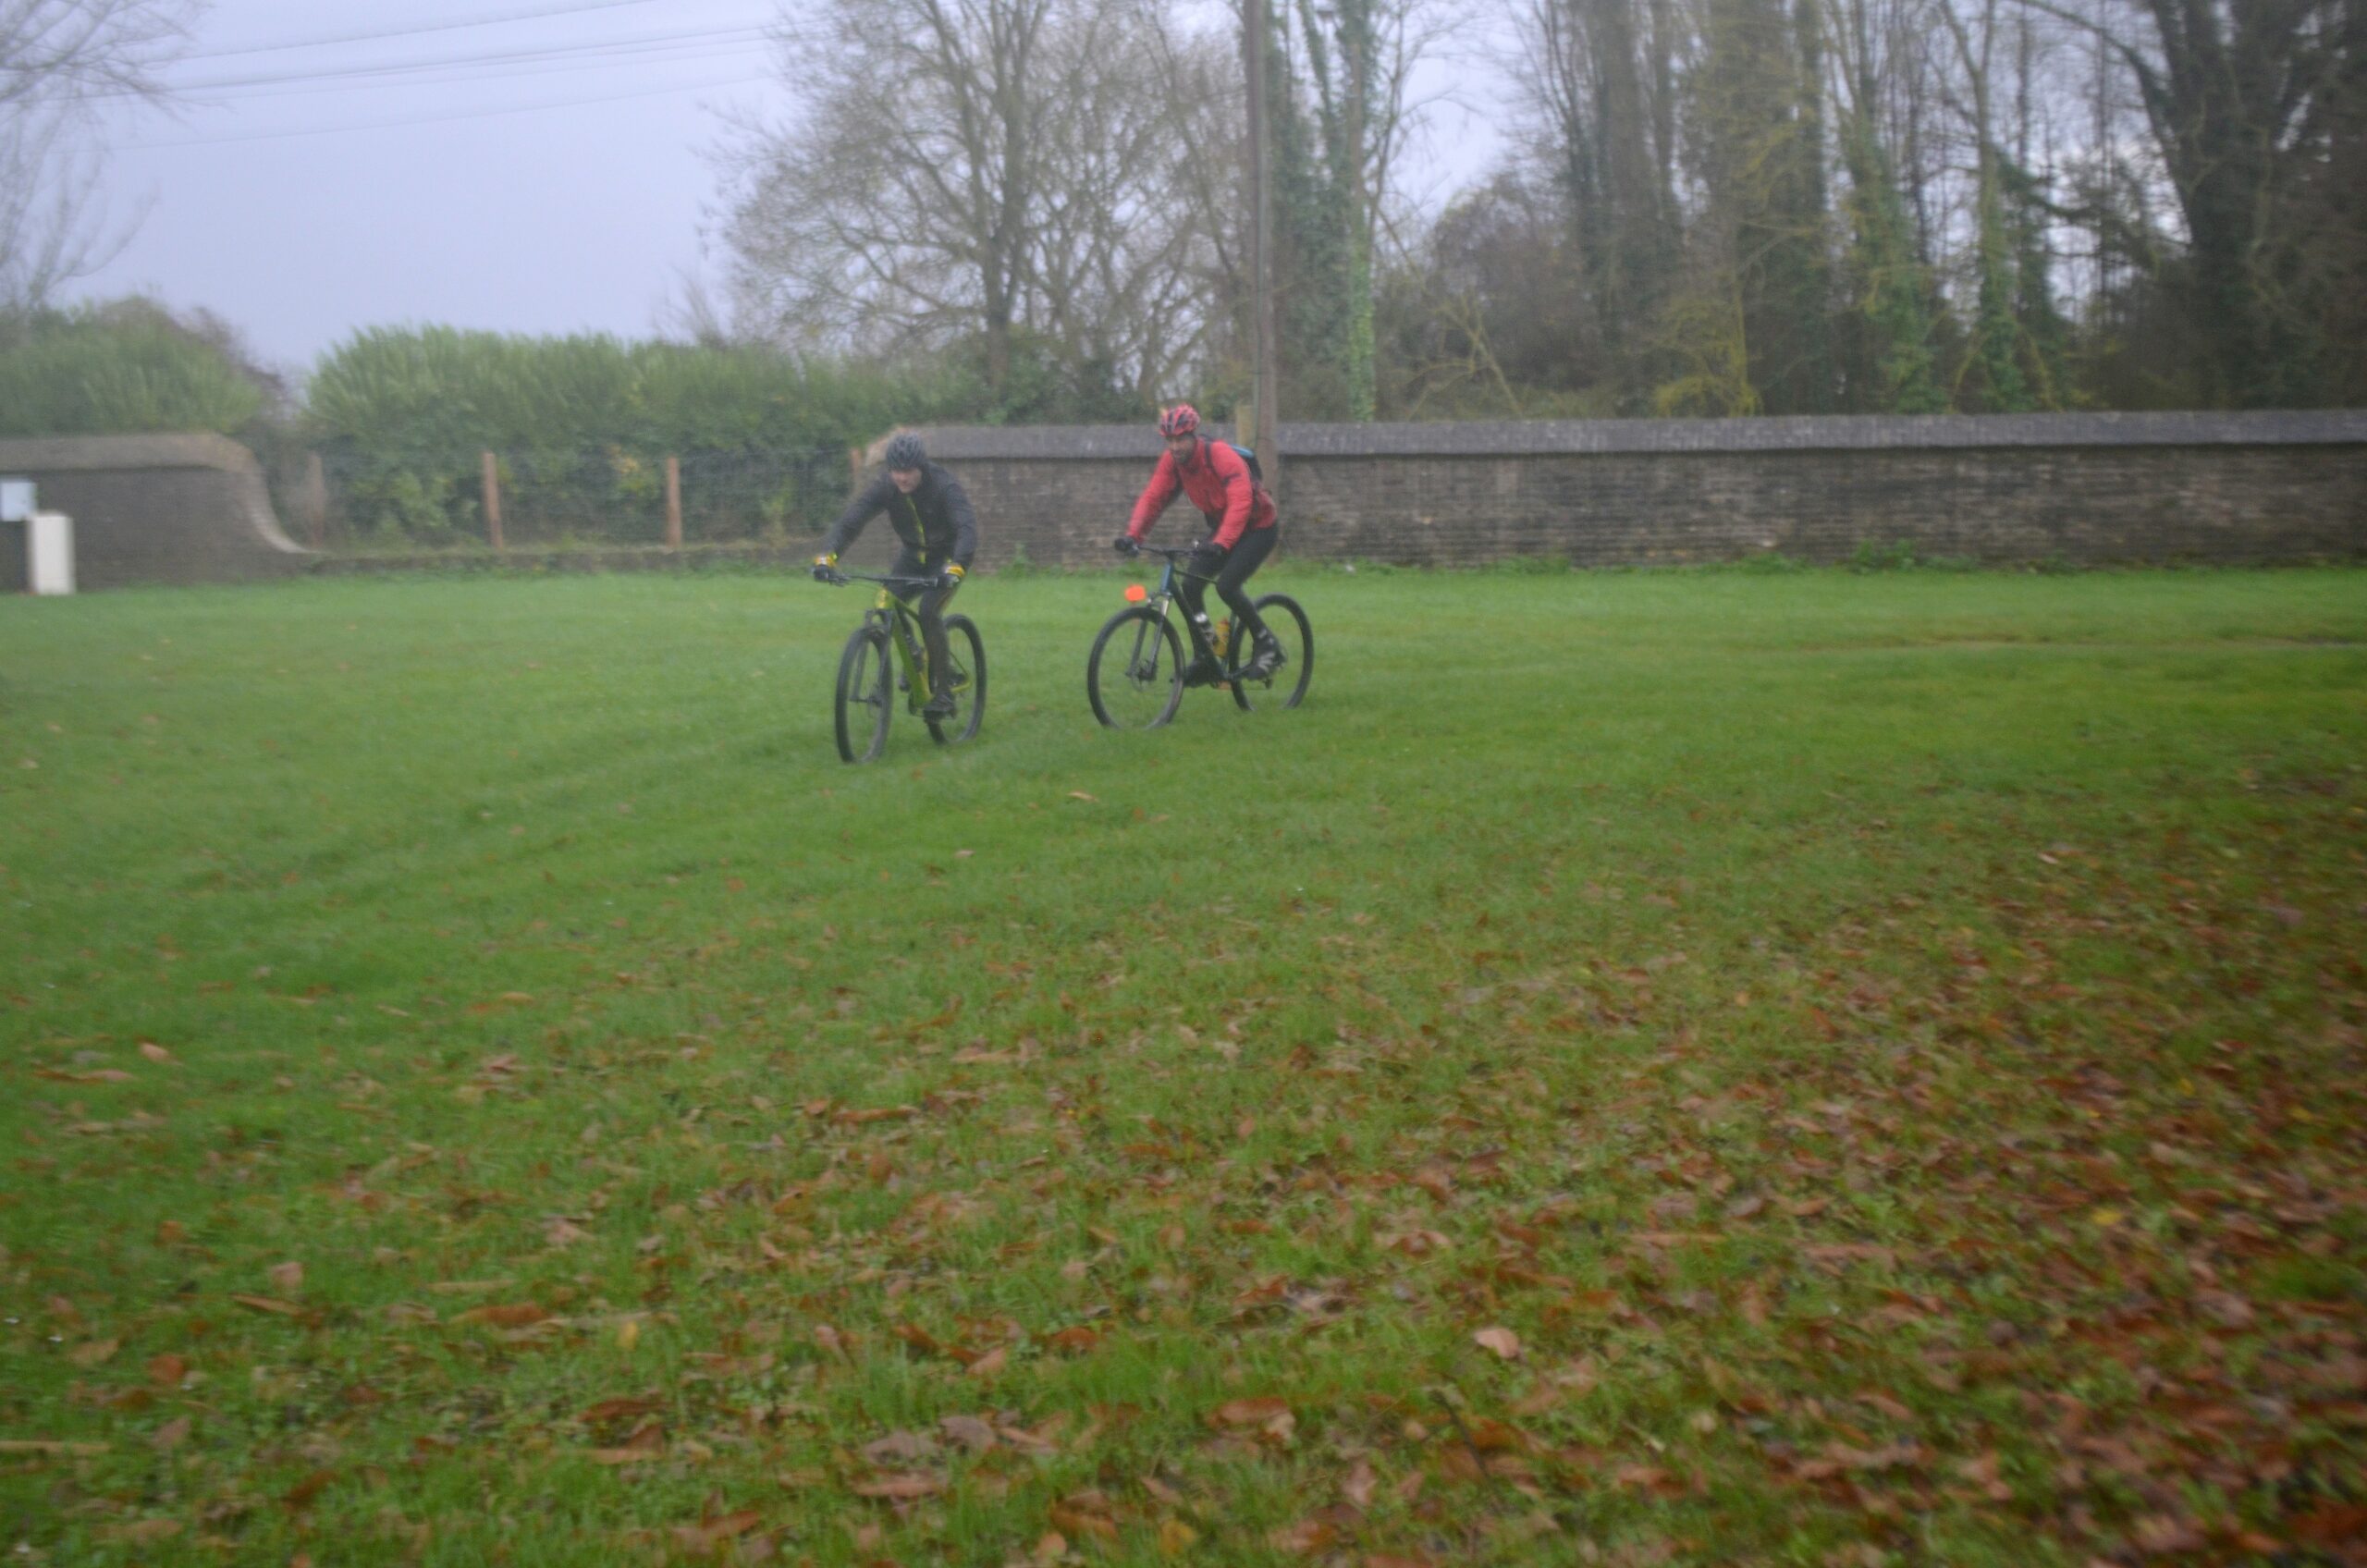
935,519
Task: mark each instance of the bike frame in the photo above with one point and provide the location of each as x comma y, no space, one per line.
890,614
1164,595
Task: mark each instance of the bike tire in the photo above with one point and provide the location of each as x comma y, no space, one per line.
1134,675
1287,687
968,652
865,690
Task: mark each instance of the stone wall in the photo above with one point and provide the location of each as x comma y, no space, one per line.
151,508
2082,488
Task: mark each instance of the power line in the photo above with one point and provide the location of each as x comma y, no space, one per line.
622,48
444,120
415,31
467,75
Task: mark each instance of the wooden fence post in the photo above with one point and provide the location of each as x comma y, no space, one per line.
673,502
316,501
493,500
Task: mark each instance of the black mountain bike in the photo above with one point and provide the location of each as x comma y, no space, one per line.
869,676
1136,673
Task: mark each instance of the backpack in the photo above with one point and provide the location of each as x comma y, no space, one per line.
1257,474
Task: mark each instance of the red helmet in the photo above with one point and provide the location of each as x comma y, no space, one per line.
1180,420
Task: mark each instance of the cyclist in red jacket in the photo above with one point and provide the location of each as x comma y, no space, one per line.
1241,517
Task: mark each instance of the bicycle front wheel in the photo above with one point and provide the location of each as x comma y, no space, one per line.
1134,675
865,688
967,652
1287,686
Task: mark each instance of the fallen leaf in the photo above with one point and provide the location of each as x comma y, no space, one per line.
968,1431
899,1488
171,1435
1251,1411
154,1052
94,1353
287,1277
1503,1341
269,1303
507,1315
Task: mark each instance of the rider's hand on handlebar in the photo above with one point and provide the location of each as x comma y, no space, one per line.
826,569
1126,544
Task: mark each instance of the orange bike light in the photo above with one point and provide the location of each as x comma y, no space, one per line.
1136,594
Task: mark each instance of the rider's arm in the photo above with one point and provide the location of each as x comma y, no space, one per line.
1162,489
1240,494
868,503
966,522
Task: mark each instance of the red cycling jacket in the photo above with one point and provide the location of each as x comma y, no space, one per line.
1218,482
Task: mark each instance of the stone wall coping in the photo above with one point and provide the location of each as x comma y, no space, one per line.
62,454
1513,438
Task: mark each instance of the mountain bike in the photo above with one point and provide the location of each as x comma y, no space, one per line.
868,677
1136,673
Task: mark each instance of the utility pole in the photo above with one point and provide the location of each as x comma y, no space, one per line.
1261,266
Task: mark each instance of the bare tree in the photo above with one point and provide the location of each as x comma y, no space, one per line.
61,63
975,170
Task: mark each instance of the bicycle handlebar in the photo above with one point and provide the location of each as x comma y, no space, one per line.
841,579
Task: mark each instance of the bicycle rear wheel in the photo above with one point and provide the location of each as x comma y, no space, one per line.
1134,675
1287,686
865,690
967,653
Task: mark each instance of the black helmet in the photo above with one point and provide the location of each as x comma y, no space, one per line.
905,452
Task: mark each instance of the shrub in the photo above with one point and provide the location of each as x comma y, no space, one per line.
128,368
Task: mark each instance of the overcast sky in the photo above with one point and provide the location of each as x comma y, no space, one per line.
553,183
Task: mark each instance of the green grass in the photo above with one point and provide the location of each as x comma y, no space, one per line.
1888,1048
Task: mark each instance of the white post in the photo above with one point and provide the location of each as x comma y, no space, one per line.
49,553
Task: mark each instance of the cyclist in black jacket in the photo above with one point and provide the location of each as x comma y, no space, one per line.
930,514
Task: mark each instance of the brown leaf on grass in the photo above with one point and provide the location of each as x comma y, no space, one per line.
1250,1412
968,1431
167,1370
52,1448
1175,1538
561,1231
268,1304
1415,1242
93,1353
895,1487
1079,1520
300,1497
1306,1538
467,1287
1884,1403
287,1277
1360,1483
610,1411
506,1315
2159,1535
2225,1308
706,1538
647,1442
140,1532
1077,1339
171,1435
1395,1559
1079,795
154,1052
899,1448
1502,1342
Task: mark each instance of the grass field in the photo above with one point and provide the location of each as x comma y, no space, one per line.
1688,1068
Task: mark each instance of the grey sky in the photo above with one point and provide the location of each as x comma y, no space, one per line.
300,210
